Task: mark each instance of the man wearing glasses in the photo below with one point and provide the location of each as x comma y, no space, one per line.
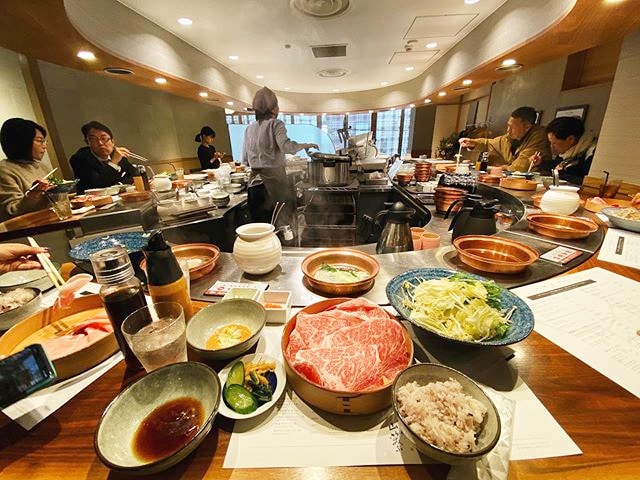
101,164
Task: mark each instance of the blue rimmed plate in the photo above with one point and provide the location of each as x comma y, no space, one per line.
131,241
521,320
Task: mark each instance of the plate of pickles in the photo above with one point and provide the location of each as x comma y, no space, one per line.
251,385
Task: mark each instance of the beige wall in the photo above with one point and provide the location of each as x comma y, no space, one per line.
540,87
157,125
617,150
445,124
14,96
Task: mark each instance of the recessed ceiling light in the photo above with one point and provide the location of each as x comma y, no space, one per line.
229,103
161,80
467,82
411,105
346,113
336,90
233,57
442,94
203,94
392,108
370,111
260,77
471,2
384,83
408,69
431,45
287,88
185,21
508,62
427,100
86,55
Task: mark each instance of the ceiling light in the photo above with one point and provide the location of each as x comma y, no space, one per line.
467,82
86,55
260,77
442,94
234,57
408,69
287,88
471,2
431,45
229,111
185,21
336,90
384,83
392,108
203,94
411,105
508,62
370,112
161,80
427,100
229,103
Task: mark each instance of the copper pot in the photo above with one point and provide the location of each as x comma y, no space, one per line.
494,254
561,226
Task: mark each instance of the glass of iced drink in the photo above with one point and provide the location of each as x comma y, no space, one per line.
60,204
157,334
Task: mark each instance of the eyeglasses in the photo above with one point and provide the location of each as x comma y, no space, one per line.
41,141
100,139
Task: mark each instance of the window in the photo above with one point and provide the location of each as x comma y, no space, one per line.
387,132
330,126
359,123
302,119
407,130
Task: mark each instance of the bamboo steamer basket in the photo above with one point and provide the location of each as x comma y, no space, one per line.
334,401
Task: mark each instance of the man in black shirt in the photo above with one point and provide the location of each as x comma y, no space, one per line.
101,164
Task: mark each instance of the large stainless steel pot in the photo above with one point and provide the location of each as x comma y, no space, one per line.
327,169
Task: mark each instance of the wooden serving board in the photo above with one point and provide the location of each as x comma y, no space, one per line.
54,322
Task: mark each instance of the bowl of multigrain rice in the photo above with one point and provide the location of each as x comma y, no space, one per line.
445,414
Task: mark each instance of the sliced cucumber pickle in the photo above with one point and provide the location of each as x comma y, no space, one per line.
239,399
236,374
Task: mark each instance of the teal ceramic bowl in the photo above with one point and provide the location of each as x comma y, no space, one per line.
113,440
242,311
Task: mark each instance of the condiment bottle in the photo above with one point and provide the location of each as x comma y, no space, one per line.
121,293
165,280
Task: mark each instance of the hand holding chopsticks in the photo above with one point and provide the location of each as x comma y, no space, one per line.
48,267
18,256
39,181
125,152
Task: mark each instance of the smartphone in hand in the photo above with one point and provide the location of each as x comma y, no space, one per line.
23,373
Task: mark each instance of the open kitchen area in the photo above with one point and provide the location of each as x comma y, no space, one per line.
317,239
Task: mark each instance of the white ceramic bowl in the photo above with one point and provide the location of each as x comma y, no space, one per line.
10,317
98,192
238,310
114,435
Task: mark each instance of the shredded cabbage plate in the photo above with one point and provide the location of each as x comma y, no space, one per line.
458,307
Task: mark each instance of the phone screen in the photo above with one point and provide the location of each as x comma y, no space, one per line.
23,373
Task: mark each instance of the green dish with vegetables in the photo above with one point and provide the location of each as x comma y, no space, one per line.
460,307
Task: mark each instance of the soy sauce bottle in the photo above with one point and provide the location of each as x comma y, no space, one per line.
165,280
121,294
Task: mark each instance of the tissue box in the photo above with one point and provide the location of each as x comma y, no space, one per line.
277,304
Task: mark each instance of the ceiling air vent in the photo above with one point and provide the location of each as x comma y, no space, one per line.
508,68
333,73
118,71
325,51
321,8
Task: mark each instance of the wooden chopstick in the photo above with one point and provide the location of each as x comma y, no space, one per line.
48,267
43,178
139,157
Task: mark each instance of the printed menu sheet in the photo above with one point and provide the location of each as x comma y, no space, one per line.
621,247
313,438
593,315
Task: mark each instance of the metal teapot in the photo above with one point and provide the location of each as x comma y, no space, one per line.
396,234
476,217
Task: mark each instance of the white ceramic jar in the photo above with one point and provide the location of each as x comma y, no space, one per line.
166,208
161,183
561,200
257,249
